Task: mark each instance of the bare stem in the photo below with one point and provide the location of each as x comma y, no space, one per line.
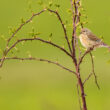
39,59
44,41
89,76
20,27
93,71
36,14
64,29
81,59
31,39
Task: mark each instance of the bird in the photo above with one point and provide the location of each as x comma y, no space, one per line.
89,40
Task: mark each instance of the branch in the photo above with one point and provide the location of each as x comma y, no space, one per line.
76,13
93,71
87,78
31,18
76,17
88,51
74,24
31,39
39,59
81,59
20,27
72,8
64,29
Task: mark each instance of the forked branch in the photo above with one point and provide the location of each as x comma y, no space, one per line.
63,26
93,71
31,18
21,26
30,39
82,57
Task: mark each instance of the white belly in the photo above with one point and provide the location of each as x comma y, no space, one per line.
86,42
83,40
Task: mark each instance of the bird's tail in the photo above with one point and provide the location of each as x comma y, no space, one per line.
105,45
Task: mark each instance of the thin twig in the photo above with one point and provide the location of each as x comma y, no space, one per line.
74,31
36,14
72,8
31,39
87,78
94,71
20,27
76,19
81,59
64,29
36,38
39,59
86,52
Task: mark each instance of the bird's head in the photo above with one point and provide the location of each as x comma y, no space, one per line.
85,31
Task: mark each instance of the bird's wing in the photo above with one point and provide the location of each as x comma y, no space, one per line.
93,37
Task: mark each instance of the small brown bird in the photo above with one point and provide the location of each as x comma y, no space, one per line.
89,40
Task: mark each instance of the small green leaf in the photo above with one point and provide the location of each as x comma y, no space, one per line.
50,35
38,33
22,21
40,2
31,34
65,26
101,37
66,22
69,11
50,3
57,5
33,30
12,30
63,46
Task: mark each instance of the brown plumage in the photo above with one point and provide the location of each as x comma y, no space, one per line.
89,40
93,37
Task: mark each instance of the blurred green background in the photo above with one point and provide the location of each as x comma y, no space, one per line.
32,85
